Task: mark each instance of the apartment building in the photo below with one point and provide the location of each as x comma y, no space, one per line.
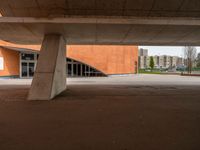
160,62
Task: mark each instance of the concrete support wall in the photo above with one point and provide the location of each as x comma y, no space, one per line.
50,75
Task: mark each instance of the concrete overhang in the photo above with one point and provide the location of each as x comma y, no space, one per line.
64,8
21,49
104,30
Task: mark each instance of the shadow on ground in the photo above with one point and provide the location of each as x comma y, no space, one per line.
103,117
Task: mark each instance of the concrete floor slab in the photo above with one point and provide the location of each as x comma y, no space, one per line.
117,113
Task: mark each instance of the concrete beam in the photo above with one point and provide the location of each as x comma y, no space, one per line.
126,20
50,75
104,30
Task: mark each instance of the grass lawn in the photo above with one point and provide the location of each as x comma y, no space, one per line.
150,72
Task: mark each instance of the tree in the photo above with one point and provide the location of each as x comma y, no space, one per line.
151,63
189,56
198,60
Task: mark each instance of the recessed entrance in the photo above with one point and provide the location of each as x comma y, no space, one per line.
27,64
27,69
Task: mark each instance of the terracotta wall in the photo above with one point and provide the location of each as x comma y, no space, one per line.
106,58
11,62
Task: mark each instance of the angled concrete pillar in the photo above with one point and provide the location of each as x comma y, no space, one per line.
50,75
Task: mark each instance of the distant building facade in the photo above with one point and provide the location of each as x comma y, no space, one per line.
142,59
143,52
161,62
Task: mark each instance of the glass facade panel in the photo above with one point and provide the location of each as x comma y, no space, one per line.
78,69
73,68
24,69
25,56
31,69
28,62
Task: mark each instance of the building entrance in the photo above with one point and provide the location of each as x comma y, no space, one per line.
27,69
27,64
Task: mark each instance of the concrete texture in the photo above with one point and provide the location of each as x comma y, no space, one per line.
123,22
50,74
144,8
116,31
117,113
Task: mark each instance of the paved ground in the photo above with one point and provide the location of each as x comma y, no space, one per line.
142,112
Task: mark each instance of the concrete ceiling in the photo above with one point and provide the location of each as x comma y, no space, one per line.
141,22
139,8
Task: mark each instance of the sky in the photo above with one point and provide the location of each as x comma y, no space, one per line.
166,50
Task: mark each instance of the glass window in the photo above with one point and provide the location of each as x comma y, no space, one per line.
69,69
79,70
74,69
31,69
27,56
24,70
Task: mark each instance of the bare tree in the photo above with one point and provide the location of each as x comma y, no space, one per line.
190,53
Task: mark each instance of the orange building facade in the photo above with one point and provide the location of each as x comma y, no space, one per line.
107,59
104,59
9,62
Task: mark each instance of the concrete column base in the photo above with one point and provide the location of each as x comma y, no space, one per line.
50,75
